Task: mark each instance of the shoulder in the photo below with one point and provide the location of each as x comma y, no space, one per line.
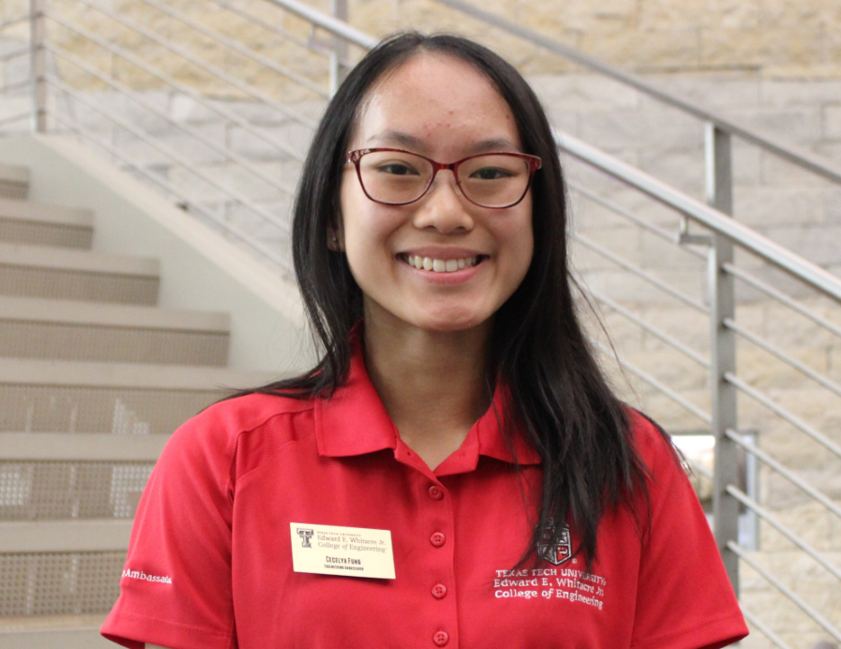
652,444
665,471
238,430
248,412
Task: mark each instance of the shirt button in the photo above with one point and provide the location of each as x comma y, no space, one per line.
437,539
435,492
439,591
441,638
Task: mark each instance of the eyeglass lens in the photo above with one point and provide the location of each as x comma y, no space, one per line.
398,177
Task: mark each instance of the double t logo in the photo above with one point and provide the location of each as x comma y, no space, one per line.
305,535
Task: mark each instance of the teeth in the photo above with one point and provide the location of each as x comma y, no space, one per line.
441,265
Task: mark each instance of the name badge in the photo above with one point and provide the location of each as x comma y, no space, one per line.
344,551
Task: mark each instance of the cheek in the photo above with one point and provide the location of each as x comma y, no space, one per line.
365,231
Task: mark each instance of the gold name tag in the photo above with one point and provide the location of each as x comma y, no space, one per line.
342,551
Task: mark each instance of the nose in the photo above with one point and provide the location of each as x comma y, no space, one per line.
444,208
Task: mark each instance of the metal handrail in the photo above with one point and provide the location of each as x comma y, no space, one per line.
785,358
659,385
671,341
286,35
776,583
772,520
206,141
336,27
14,54
797,155
14,21
233,46
782,258
16,118
17,85
763,457
182,88
780,297
207,67
156,179
768,633
634,270
778,410
666,235
175,157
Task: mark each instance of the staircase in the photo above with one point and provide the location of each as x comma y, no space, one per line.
226,147
93,378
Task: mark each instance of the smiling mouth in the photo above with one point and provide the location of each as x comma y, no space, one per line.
440,265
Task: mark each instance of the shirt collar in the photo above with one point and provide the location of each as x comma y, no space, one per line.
353,421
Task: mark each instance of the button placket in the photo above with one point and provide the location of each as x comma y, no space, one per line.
439,539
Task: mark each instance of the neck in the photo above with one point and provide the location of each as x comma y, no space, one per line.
432,384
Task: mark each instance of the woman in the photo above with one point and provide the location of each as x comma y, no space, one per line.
455,471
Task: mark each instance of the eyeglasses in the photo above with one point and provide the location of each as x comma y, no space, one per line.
397,177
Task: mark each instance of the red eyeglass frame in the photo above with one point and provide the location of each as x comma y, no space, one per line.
533,161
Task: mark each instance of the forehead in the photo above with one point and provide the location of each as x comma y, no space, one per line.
435,102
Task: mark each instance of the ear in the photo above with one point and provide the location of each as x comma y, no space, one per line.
336,238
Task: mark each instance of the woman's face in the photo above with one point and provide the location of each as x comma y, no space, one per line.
442,108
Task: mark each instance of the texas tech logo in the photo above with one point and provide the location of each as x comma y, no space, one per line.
305,535
560,551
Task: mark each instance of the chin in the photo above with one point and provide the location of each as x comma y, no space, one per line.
451,322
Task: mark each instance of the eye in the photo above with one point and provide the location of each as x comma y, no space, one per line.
491,173
397,169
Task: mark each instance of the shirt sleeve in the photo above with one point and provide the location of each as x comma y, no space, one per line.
175,590
685,600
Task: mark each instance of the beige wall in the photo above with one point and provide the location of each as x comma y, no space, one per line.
792,38
771,38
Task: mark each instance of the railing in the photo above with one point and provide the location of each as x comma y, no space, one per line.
796,155
60,82
725,344
783,416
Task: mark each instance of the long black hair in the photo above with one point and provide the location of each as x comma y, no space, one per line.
559,398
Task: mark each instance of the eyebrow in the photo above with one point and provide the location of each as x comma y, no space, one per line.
404,139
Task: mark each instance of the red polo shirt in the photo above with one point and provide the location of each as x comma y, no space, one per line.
210,564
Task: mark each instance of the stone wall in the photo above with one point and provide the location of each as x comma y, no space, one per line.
781,39
773,37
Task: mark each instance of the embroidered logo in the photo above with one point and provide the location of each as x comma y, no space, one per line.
305,535
139,574
560,551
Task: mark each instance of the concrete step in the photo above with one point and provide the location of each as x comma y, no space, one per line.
45,225
73,476
67,274
53,632
35,584
14,182
64,396
90,331
80,447
65,536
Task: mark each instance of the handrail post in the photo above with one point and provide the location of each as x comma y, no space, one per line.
719,181
38,64
338,69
